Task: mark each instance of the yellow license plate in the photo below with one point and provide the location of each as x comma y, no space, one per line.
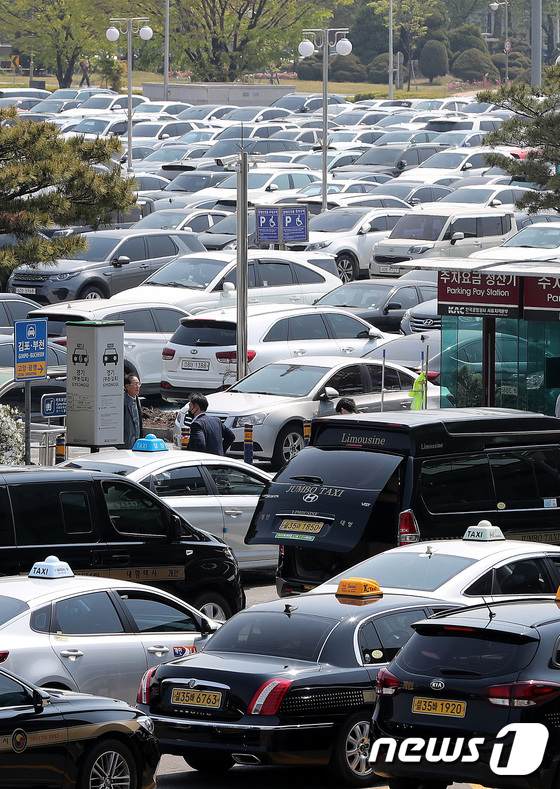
310,527
454,709
196,698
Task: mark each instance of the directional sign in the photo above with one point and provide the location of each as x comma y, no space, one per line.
294,223
53,404
14,60
268,224
30,349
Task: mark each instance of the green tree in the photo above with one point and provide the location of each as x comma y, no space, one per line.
46,180
472,65
368,34
411,17
347,68
433,60
465,37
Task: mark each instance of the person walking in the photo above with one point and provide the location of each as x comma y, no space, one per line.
132,411
346,405
84,65
208,433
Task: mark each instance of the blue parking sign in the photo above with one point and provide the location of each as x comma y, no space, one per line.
30,349
294,223
268,224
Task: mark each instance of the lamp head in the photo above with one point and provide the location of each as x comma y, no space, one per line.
494,6
146,33
344,46
306,48
112,33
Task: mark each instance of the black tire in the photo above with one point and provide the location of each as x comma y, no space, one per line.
347,268
288,443
351,750
108,764
213,605
210,762
92,292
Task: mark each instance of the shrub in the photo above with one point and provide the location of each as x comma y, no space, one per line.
472,65
378,69
311,67
433,60
347,69
12,438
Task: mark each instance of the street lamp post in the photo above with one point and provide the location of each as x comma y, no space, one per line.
166,54
494,6
321,39
129,26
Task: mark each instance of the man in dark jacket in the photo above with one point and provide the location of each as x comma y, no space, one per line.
208,433
132,411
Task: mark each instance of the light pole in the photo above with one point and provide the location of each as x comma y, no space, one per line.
494,6
321,39
129,26
166,54
391,50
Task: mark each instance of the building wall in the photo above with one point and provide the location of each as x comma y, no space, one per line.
238,94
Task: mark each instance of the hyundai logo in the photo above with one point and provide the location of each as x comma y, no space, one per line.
429,322
309,498
437,684
193,350
191,683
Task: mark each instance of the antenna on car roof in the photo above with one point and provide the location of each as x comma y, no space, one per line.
289,609
491,614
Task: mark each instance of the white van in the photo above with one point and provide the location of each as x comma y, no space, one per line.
441,231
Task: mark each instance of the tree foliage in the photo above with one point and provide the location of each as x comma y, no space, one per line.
369,34
472,65
46,180
536,125
433,60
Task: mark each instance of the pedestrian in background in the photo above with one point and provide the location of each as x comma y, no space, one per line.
132,411
84,65
346,406
208,433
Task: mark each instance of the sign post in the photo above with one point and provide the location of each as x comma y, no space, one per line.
30,364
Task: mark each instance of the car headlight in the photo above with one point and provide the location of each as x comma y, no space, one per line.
61,277
231,245
318,245
406,315
146,723
250,419
418,249
535,380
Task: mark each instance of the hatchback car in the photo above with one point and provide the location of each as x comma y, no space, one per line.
277,398
285,684
481,684
113,260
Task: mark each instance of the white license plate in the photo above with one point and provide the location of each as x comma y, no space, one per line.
190,364
389,270
27,291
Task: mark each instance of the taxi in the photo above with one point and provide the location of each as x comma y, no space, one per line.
96,635
286,682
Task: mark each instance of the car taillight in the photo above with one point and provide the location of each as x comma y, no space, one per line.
408,528
268,697
167,354
143,696
521,694
3,656
432,375
386,684
59,341
231,356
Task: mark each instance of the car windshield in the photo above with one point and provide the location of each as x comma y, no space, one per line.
91,126
421,226
466,195
288,380
254,181
196,136
196,113
424,571
336,221
342,136
192,182
290,102
243,114
297,637
52,105
542,237
97,103
357,294
110,467
146,129
98,248
162,220
193,273
445,160
228,225
169,153
382,155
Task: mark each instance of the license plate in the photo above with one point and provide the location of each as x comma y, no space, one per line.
311,527
453,709
28,291
196,698
190,364
389,270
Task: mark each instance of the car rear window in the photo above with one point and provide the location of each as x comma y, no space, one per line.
205,333
9,608
471,652
345,469
274,634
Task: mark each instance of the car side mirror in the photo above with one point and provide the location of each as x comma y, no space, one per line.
122,260
374,334
467,166
164,137
228,288
207,627
175,530
458,236
393,305
329,393
272,188
365,228
41,699
495,202
401,164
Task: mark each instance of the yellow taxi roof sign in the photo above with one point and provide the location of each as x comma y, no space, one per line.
358,587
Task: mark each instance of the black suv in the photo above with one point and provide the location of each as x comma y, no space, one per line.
476,693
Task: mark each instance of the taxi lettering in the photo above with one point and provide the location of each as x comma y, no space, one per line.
322,491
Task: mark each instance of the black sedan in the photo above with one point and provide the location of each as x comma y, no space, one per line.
285,683
380,302
56,738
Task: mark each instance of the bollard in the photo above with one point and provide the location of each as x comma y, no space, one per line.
306,431
185,436
60,450
248,444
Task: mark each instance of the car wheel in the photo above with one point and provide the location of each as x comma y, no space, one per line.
213,605
351,752
347,269
288,444
108,765
92,292
211,762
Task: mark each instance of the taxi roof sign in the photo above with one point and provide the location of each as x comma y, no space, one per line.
150,443
52,567
358,587
484,532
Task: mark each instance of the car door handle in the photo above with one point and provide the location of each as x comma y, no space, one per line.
130,345
144,265
347,350
72,653
233,513
253,301
157,649
120,558
299,352
295,297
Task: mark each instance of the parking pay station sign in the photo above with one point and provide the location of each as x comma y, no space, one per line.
30,349
281,224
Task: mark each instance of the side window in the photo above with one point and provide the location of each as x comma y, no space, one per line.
428,292
12,694
234,482
394,630
347,381
138,321
167,320
406,297
407,381
133,248
282,181
7,354
132,512
275,273
370,645
466,225
457,485
152,614
374,372
345,328
16,309
75,512
231,276
307,327
198,224
306,276
470,353
392,221
86,614
492,225
392,380
7,321
424,194
44,512
378,223
478,159
526,576
182,481
278,332
300,179
526,478
161,247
